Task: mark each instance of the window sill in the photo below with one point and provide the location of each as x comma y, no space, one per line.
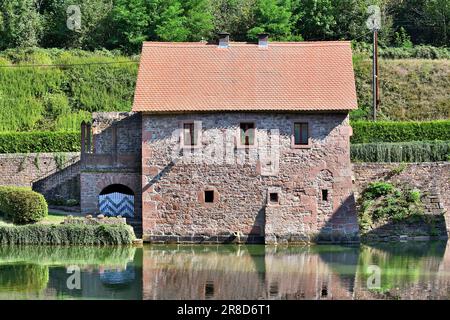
196,147
301,146
240,146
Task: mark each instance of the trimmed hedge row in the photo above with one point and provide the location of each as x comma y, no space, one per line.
22,205
67,234
39,141
401,152
384,131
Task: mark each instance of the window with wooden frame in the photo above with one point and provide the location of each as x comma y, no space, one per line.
189,134
301,134
247,133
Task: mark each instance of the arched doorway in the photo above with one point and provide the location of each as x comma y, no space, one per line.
116,200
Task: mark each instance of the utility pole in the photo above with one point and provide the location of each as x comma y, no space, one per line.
374,24
375,81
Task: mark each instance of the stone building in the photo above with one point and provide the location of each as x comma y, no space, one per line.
230,142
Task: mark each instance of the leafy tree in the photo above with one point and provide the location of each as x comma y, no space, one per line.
198,19
93,31
437,14
20,23
170,23
273,17
233,16
318,20
131,20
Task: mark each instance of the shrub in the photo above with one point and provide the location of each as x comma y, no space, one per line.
396,131
377,189
382,202
404,52
26,142
67,234
21,205
413,196
401,152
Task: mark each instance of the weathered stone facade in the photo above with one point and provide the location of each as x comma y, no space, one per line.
173,208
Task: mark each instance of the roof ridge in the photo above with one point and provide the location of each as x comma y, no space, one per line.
247,44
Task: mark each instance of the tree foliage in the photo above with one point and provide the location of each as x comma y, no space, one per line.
125,24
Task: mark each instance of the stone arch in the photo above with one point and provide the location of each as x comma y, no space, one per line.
116,196
112,188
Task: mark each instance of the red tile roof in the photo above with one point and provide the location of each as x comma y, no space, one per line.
183,77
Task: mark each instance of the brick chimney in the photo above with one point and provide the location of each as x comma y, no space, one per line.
263,40
224,40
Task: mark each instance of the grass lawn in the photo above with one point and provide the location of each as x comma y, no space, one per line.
52,218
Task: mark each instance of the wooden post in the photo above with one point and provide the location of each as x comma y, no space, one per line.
83,139
88,137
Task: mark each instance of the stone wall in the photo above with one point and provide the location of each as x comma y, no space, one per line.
432,179
116,131
173,204
45,172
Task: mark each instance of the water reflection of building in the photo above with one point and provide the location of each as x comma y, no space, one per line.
408,271
249,273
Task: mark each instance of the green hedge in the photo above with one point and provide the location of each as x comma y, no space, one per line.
384,131
401,152
22,205
67,234
40,141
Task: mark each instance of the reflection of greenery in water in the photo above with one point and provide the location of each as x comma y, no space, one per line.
36,272
54,255
400,263
23,277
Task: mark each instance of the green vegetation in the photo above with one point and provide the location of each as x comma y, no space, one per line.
386,131
382,202
67,234
24,277
410,89
363,49
22,205
59,98
63,255
401,264
25,142
401,152
124,24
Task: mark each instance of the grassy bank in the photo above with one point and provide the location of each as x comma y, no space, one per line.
410,89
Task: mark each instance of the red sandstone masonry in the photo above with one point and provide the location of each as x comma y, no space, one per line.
172,210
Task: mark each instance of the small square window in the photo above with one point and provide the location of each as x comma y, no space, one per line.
273,197
209,196
247,133
301,134
324,195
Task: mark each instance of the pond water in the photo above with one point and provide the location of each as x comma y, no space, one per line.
418,270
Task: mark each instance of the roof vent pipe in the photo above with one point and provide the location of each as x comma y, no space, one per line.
263,40
224,40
